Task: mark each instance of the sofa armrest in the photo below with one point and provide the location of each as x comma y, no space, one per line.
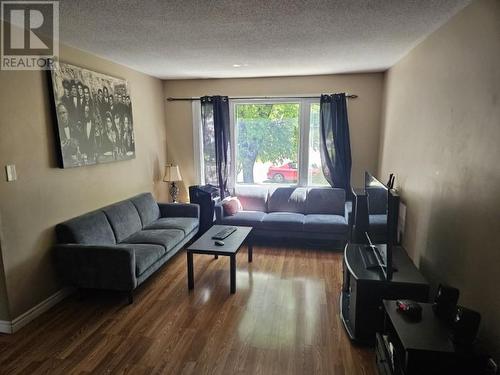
100,267
219,213
179,210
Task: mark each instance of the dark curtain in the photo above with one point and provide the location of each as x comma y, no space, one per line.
335,143
216,109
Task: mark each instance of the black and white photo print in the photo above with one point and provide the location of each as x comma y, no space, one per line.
94,117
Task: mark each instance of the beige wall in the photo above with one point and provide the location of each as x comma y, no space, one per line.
44,195
364,112
441,136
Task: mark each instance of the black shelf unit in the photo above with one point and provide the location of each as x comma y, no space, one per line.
363,291
408,347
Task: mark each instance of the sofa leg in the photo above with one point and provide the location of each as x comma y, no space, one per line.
130,297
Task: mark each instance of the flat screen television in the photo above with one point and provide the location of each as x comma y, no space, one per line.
381,236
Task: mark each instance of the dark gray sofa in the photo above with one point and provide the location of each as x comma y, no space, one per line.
119,246
291,212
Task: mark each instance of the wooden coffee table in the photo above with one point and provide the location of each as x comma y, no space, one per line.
206,245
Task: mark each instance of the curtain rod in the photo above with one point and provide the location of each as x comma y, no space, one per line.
171,99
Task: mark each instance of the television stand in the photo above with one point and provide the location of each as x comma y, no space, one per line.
363,291
370,260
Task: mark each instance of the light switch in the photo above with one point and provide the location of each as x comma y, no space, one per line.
11,172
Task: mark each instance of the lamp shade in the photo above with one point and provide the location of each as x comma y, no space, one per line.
172,173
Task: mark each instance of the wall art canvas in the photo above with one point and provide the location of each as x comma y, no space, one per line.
94,117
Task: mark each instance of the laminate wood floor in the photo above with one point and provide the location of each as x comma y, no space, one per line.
283,319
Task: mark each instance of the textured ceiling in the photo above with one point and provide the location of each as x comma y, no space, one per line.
204,39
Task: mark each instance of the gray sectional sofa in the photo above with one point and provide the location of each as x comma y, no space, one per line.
119,246
291,212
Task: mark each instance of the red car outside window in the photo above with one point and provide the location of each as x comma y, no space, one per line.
286,172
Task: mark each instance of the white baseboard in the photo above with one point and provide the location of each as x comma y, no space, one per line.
23,319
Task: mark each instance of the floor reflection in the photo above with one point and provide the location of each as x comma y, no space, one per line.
280,312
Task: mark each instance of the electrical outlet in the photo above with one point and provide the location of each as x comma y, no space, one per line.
11,172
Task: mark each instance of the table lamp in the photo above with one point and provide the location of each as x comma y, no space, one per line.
172,174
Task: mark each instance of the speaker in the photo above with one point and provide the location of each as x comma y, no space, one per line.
205,196
465,325
445,303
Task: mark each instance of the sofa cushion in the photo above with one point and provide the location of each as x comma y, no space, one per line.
285,221
325,200
89,229
186,224
245,219
252,198
146,207
124,219
168,238
287,199
145,255
321,223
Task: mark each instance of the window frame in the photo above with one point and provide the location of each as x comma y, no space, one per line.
304,132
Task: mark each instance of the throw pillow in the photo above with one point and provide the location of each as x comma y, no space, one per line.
231,206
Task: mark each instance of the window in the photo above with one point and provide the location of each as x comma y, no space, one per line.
314,172
276,142
208,137
267,142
